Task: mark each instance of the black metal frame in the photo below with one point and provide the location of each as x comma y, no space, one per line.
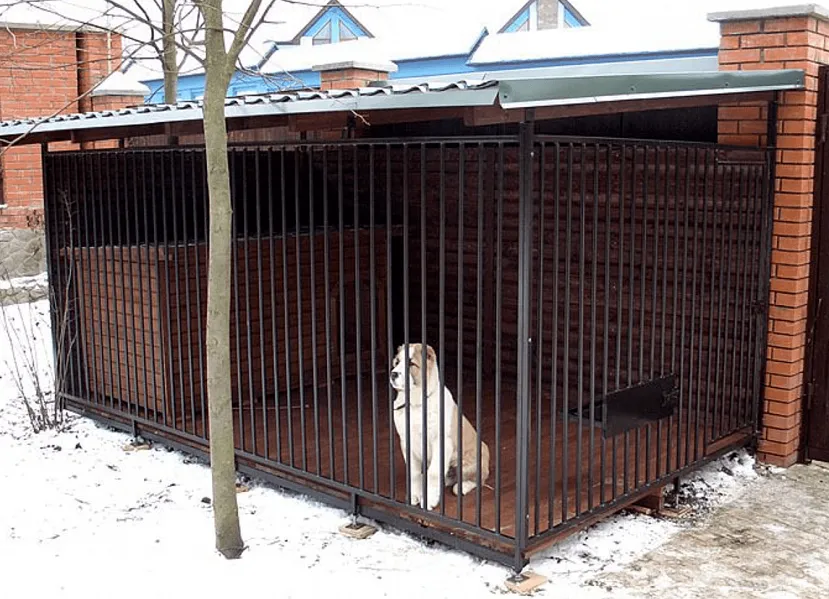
611,253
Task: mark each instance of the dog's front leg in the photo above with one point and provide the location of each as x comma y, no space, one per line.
416,480
435,491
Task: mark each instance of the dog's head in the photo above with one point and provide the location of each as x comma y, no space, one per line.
408,364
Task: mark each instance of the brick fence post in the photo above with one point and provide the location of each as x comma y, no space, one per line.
352,74
777,38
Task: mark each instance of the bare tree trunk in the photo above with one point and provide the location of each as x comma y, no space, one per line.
168,59
222,457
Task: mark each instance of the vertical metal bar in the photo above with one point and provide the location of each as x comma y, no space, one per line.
358,318
272,249
179,350
709,389
654,294
480,206
525,243
120,223
300,312
683,387
754,277
341,264
200,311
499,273
328,341
101,266
669,202
260,286
539,333
606,327
702,252
742,299
164,347
442,321
423,323
675,313
373,315
85,255
289,413
389,320
643,301
725,226
728,409
620,315
79,237
565,404
406,325
148,319
236,324
53,268
631,309
593,285
692,333
459,349
580,343
188,307
554,342
312,258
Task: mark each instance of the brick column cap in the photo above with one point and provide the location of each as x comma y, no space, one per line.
381,66
773,12
120,84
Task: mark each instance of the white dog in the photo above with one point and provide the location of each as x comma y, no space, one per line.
409,365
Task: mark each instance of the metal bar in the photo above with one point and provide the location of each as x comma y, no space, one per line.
166,387
88,194
580,343
142,275
709,389
373,316
606,328
406,325
690,397
554,342
632,311
619,315
273,291
525,258
389,320
236,323
423,326
289,413
683,387
442,321
593,286
718,389
754,277
358,319
300,312
741,300
178,349
83,367
327,282
675,312
459,348
702,253
728,409
312,259
539,334
642,300
479,309
565,405
499,273
188,307
654,294
260,285
341,264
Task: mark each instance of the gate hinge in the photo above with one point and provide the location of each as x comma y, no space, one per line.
824,127
810,392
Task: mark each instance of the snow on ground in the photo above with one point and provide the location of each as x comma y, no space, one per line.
82,517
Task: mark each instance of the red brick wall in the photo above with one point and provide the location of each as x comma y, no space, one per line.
43,73
774,43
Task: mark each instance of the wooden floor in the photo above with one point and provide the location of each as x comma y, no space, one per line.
331,435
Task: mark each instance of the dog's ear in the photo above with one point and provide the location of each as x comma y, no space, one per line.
399,349
431,357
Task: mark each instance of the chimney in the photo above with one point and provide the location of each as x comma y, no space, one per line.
353,74
118,91
547,14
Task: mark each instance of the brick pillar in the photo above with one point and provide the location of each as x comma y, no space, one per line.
353,74
116,92
792,37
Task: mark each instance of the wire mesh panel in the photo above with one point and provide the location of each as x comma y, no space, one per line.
582,317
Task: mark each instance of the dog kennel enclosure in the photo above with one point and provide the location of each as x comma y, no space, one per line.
598,305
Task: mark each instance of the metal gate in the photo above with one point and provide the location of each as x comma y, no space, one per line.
596,307
817,373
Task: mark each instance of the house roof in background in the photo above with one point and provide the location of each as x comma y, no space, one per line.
508,94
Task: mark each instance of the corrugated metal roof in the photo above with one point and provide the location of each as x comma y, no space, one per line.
511,93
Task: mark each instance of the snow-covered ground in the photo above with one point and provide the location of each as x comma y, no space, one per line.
81,516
